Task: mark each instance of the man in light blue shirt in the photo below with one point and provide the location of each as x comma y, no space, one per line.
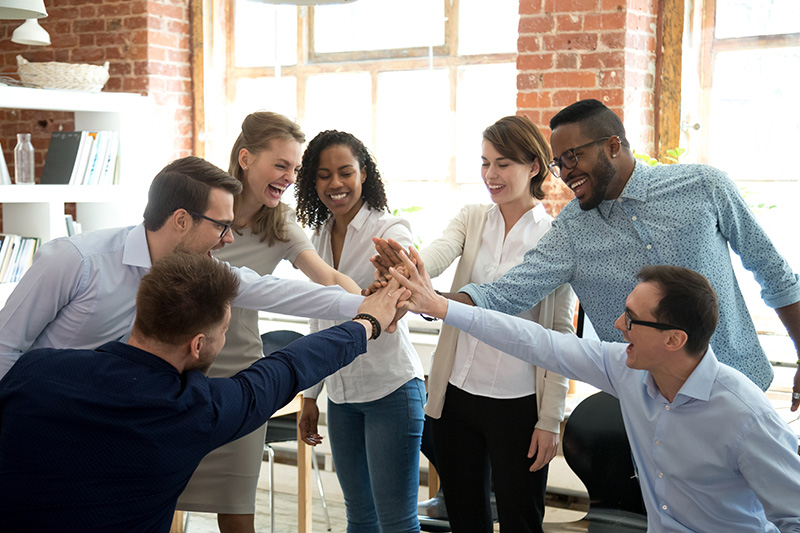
627,215
80,291
712,453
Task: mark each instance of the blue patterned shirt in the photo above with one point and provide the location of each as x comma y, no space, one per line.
683,215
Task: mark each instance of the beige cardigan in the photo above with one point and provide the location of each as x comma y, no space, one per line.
463,238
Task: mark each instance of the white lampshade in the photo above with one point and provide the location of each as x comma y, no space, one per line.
22,9
29,32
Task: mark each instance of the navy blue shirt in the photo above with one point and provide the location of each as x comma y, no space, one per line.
106,439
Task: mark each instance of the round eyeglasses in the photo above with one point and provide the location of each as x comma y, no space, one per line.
569,159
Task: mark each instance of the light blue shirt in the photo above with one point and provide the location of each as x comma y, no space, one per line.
684,215
716,458
80,292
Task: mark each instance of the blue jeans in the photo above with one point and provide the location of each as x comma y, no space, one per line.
375,448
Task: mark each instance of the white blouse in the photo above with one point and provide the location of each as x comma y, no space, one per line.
391,360
478,368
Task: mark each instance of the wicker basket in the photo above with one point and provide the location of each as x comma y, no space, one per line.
54,75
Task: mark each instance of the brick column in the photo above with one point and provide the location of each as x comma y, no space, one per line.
570,50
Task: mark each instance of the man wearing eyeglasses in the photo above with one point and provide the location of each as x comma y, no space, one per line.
80,291
627,215
712,453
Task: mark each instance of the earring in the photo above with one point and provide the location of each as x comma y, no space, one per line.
245,168
613,155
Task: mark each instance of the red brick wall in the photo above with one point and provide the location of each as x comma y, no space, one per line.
570,50
146,43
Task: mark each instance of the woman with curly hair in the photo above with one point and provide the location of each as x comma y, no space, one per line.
265,158
375,404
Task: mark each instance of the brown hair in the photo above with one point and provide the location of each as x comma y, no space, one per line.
518,139
688,302
185,184
258,130
183,294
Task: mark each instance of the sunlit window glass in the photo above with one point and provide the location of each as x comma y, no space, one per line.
485,94
339,102
488,28
742,18
262,94
414,124
378,25
744,107
255,37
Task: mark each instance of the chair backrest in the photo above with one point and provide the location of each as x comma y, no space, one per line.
281,428
596,448
275,340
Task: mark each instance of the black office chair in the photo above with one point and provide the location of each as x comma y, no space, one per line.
284,428
596,448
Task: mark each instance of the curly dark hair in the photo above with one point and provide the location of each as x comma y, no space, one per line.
311,212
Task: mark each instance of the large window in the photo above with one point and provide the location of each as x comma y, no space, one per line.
416,80
741,116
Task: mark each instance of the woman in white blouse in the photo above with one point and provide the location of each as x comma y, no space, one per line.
375,404
493,415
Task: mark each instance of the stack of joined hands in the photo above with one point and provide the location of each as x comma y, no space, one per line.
407,268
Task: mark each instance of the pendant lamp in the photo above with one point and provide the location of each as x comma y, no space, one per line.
31,33
22,9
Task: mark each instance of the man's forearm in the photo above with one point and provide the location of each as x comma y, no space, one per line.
461,297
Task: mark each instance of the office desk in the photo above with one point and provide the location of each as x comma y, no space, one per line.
304,517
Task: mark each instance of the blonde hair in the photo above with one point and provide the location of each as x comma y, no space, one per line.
258,130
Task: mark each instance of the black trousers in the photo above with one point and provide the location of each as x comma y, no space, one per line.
478,437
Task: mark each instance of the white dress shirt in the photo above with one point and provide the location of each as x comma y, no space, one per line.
391,359
80,292
716,458
480,369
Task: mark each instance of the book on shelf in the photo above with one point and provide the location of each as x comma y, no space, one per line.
82,158
5,178
73,227
61,156
16,256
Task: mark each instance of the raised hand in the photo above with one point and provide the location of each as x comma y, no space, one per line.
383,303
423,298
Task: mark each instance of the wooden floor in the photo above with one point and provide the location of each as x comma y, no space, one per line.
286,505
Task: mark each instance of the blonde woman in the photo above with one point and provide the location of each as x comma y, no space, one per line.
265,158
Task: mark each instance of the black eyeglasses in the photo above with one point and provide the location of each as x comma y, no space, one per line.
225,226
658,325
569,159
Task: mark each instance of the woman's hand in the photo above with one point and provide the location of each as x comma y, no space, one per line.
544,445
413,277
307,423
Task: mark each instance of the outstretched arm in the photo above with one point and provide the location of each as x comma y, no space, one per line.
790,316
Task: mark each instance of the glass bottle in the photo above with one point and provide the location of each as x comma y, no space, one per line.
23,159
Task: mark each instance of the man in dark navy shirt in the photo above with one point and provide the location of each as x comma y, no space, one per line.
106,439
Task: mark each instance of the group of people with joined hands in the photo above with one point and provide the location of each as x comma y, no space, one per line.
645,249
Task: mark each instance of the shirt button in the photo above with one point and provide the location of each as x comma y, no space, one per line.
658,443
664,507
633,218
661,474
666,407
649,246
619,200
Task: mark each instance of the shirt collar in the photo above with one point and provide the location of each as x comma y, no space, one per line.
358,221
136,252
635,189
537,212
138,356
699,384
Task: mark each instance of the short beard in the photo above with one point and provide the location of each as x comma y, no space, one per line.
603,172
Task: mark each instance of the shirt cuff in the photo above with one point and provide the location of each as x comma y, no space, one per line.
459,315
475,293
349,305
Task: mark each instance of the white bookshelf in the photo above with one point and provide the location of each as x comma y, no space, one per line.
38,210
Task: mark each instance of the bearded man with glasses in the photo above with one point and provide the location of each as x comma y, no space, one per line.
627,215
